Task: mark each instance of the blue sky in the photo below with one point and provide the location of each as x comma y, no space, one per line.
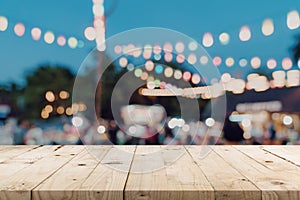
19,55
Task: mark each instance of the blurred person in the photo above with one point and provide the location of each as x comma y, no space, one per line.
6,137
34,136
232,132
20,131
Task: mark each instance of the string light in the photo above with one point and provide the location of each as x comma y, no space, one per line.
61,40
90,33
207,40
3,23
245,34
99,25
293,20
224,38
255,62
49,37
229,62
243,62
19,29
36,33
267,27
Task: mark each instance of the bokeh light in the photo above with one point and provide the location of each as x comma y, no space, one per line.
293,20
210,122
150,78
229,62
287,120
3,23
245,33
144,76
151,85
44,114
207,40
101,129
267,27
49,37
192,59
159,69
255,62
287,63
36,33
226,77
203,60
69,111
193,45
64,94
217,61
156,49
50,96
61,40
72,42
123,62
168,57
138,72
271,63
177,74
147,54
168,72
80,44
77,121
149,65
48,108
243,62
90,33
186,76
224,38
19,29
168,48
118,49
179,47
157,56
180,58
196,79
130,67
60,110
98,10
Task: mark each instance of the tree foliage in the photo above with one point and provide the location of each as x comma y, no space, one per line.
41,80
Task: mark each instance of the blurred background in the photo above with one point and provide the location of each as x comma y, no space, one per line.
254,44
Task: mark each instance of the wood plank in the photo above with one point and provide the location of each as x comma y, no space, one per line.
20,158
269,160
108,180
66,183
227,182
51,158
8,152
182,179
289,153
274,185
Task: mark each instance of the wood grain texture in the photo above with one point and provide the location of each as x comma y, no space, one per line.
289,153
229,183
274,185
66,182
43,162
149,172
181,179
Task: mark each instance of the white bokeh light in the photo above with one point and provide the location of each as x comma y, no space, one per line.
245,33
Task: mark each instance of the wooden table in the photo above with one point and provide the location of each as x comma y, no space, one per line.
93,172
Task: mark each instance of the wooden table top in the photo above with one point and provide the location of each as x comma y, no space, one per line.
149,172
